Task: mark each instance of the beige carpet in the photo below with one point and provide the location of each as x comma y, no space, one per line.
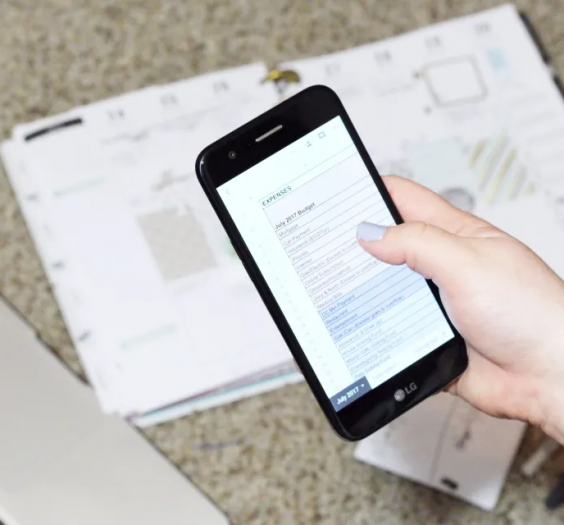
287,467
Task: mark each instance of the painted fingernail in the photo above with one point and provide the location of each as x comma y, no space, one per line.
368,231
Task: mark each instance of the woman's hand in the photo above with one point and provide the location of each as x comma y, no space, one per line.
504,300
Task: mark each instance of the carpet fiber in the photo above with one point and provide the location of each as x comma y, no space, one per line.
281,463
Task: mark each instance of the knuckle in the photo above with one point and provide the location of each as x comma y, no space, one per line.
418,233
419,230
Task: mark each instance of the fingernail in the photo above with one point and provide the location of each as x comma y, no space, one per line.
368,231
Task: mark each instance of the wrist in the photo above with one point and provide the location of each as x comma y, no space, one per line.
547,411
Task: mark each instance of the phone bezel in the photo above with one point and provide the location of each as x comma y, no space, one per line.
298,116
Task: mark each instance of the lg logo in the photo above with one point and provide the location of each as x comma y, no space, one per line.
399,395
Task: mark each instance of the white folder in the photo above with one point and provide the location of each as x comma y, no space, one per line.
63,462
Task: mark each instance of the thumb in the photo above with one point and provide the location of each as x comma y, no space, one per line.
430,251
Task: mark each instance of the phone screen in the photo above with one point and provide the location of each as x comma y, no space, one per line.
359,321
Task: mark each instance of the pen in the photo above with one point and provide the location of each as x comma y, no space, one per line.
535,461
556,496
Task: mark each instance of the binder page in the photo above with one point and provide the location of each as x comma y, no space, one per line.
448,445
133,240
466,107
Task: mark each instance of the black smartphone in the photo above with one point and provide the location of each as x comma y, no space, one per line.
290,187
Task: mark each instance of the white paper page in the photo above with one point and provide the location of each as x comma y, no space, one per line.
143,180
100,370
184,286
92,355
466,107
448,445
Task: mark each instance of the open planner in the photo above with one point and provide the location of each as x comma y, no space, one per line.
159,307
162,314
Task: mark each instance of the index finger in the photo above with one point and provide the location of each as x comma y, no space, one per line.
417,203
